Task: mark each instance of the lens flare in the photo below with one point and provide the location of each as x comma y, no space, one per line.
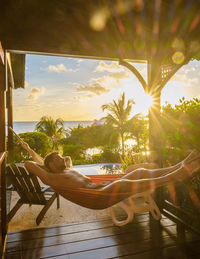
148,100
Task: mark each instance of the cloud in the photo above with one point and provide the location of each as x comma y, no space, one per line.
112,67
188,76
112,80
94,88
35,93
101,85
60,68
120,75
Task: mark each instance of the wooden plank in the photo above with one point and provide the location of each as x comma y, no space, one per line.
30,238
2,157
76,227
37,187
16,181
157,253
1,54
107,247
164,253
127,243
135,233
103,240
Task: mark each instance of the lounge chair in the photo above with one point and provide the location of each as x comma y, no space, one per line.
30,192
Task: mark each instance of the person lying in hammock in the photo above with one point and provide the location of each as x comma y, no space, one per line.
60,174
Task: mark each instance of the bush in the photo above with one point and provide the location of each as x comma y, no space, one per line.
96,158
110,156
38,141
180,132
74,150
132,158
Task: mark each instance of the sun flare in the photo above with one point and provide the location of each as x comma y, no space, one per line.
143,103
148,100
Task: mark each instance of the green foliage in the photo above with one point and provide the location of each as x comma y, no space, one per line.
110,155
138,127
118,116
180,129
38,141
74,150
96,158
91,136
52,128
132,158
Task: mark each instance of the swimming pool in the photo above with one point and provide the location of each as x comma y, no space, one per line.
94,169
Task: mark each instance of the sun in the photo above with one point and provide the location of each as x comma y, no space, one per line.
148,100
143,102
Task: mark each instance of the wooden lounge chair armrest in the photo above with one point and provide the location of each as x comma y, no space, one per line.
46,188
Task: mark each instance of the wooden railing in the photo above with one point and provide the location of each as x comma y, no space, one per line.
181,204
3,221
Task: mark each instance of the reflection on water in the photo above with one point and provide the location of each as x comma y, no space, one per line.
94,169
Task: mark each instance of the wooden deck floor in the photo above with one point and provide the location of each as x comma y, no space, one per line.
101,239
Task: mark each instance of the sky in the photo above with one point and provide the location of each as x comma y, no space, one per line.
74,89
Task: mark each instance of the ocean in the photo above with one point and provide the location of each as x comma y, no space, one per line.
29,126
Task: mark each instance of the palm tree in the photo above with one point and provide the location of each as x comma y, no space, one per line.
52,128
139,131
118,116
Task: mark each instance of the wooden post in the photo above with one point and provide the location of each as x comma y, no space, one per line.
9,104
155,142
3,81
154,114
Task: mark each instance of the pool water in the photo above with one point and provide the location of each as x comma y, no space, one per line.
94,169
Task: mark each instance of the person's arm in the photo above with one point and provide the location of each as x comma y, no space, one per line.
36,157
35,169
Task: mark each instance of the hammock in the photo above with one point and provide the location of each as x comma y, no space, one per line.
96,199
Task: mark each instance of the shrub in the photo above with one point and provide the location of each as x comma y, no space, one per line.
74,150
132,158
38,141
110,156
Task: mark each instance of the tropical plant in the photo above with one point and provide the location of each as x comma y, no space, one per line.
91,136
132,158
118,116
54,129
139,132
38,141
180,129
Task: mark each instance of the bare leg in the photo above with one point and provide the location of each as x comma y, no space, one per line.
144,173
184,171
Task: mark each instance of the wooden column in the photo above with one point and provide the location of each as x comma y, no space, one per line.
3,79
154,112
155,143
9,104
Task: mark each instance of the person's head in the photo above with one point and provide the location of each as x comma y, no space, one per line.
54,162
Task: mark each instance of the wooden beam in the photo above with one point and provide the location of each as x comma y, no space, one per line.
9,104
11,77
3,81
1,54
135,72
2,107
